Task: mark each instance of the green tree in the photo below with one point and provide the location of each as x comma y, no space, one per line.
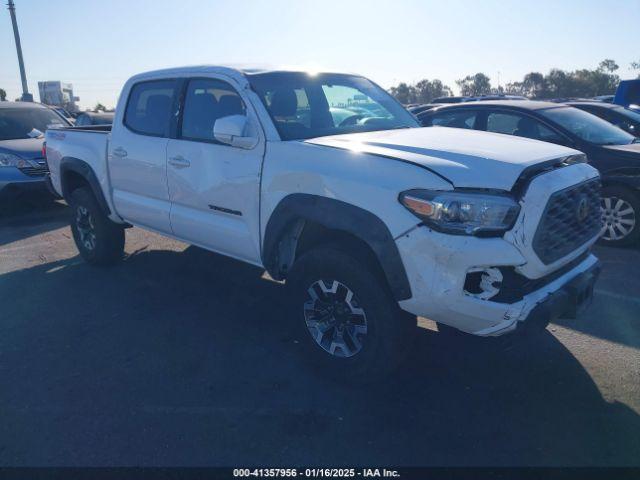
608,66
427,90
514,88
3,95
99,108
558,84
534,85
635,66
471,85
404,93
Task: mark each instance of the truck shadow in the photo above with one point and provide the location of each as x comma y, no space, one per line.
187,358
613,316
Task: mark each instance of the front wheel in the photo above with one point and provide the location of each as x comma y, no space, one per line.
99,240
620,216
345,317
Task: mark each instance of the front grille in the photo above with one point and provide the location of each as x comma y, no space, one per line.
570,219
38,171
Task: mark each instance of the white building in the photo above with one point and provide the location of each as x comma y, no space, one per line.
58,94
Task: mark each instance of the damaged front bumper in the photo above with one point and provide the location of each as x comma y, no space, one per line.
437,265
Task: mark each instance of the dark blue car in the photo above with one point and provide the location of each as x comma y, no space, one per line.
22,127
614,152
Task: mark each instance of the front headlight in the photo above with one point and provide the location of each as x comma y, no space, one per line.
462,212
10,160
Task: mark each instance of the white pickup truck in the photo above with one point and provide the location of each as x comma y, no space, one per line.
328,183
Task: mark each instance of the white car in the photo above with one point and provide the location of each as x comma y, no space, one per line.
371,221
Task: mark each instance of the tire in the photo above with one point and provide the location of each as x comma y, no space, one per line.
359,340
621,216
99,240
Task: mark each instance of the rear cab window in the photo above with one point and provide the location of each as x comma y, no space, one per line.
149,107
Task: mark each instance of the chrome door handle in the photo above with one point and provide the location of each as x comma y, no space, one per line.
120,152
179,162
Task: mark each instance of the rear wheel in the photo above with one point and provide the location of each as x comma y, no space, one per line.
620,216
99,240
346,319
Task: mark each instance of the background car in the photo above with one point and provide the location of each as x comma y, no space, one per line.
22,127
605,98
477,98
416,109
614,152
63,113
94,118
624,118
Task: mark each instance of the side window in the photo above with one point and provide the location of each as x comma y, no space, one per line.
206,101
149,107
453,118
520,126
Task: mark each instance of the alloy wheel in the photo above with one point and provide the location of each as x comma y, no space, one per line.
85,227
618,218
334,318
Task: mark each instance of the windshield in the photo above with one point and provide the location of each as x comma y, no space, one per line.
19,123
588,127
307,106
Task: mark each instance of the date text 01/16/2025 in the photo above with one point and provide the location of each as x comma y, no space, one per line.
316,472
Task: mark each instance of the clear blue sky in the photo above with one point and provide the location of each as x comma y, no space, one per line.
96,45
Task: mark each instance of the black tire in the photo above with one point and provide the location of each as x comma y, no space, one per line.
632,201
106,246
389,330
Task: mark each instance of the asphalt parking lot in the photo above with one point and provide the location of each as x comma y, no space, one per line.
181,357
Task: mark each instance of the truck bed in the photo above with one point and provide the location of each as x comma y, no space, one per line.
89,128
86,145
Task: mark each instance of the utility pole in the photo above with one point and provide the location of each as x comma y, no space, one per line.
26,96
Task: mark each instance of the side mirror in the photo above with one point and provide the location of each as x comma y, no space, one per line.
231,130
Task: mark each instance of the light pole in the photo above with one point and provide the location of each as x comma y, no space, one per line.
26,96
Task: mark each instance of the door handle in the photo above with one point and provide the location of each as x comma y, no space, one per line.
120,152
179,162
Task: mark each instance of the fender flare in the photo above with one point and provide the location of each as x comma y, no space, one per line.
335,215
82,168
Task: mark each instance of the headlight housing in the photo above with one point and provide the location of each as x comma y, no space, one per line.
462,212
11,160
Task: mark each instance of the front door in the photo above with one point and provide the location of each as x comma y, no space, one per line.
214,188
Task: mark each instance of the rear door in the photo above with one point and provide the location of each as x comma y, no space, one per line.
138,155
214,188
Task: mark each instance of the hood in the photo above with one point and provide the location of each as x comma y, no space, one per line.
631,150
467,158
27,148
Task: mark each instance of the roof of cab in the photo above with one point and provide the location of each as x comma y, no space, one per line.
234,71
